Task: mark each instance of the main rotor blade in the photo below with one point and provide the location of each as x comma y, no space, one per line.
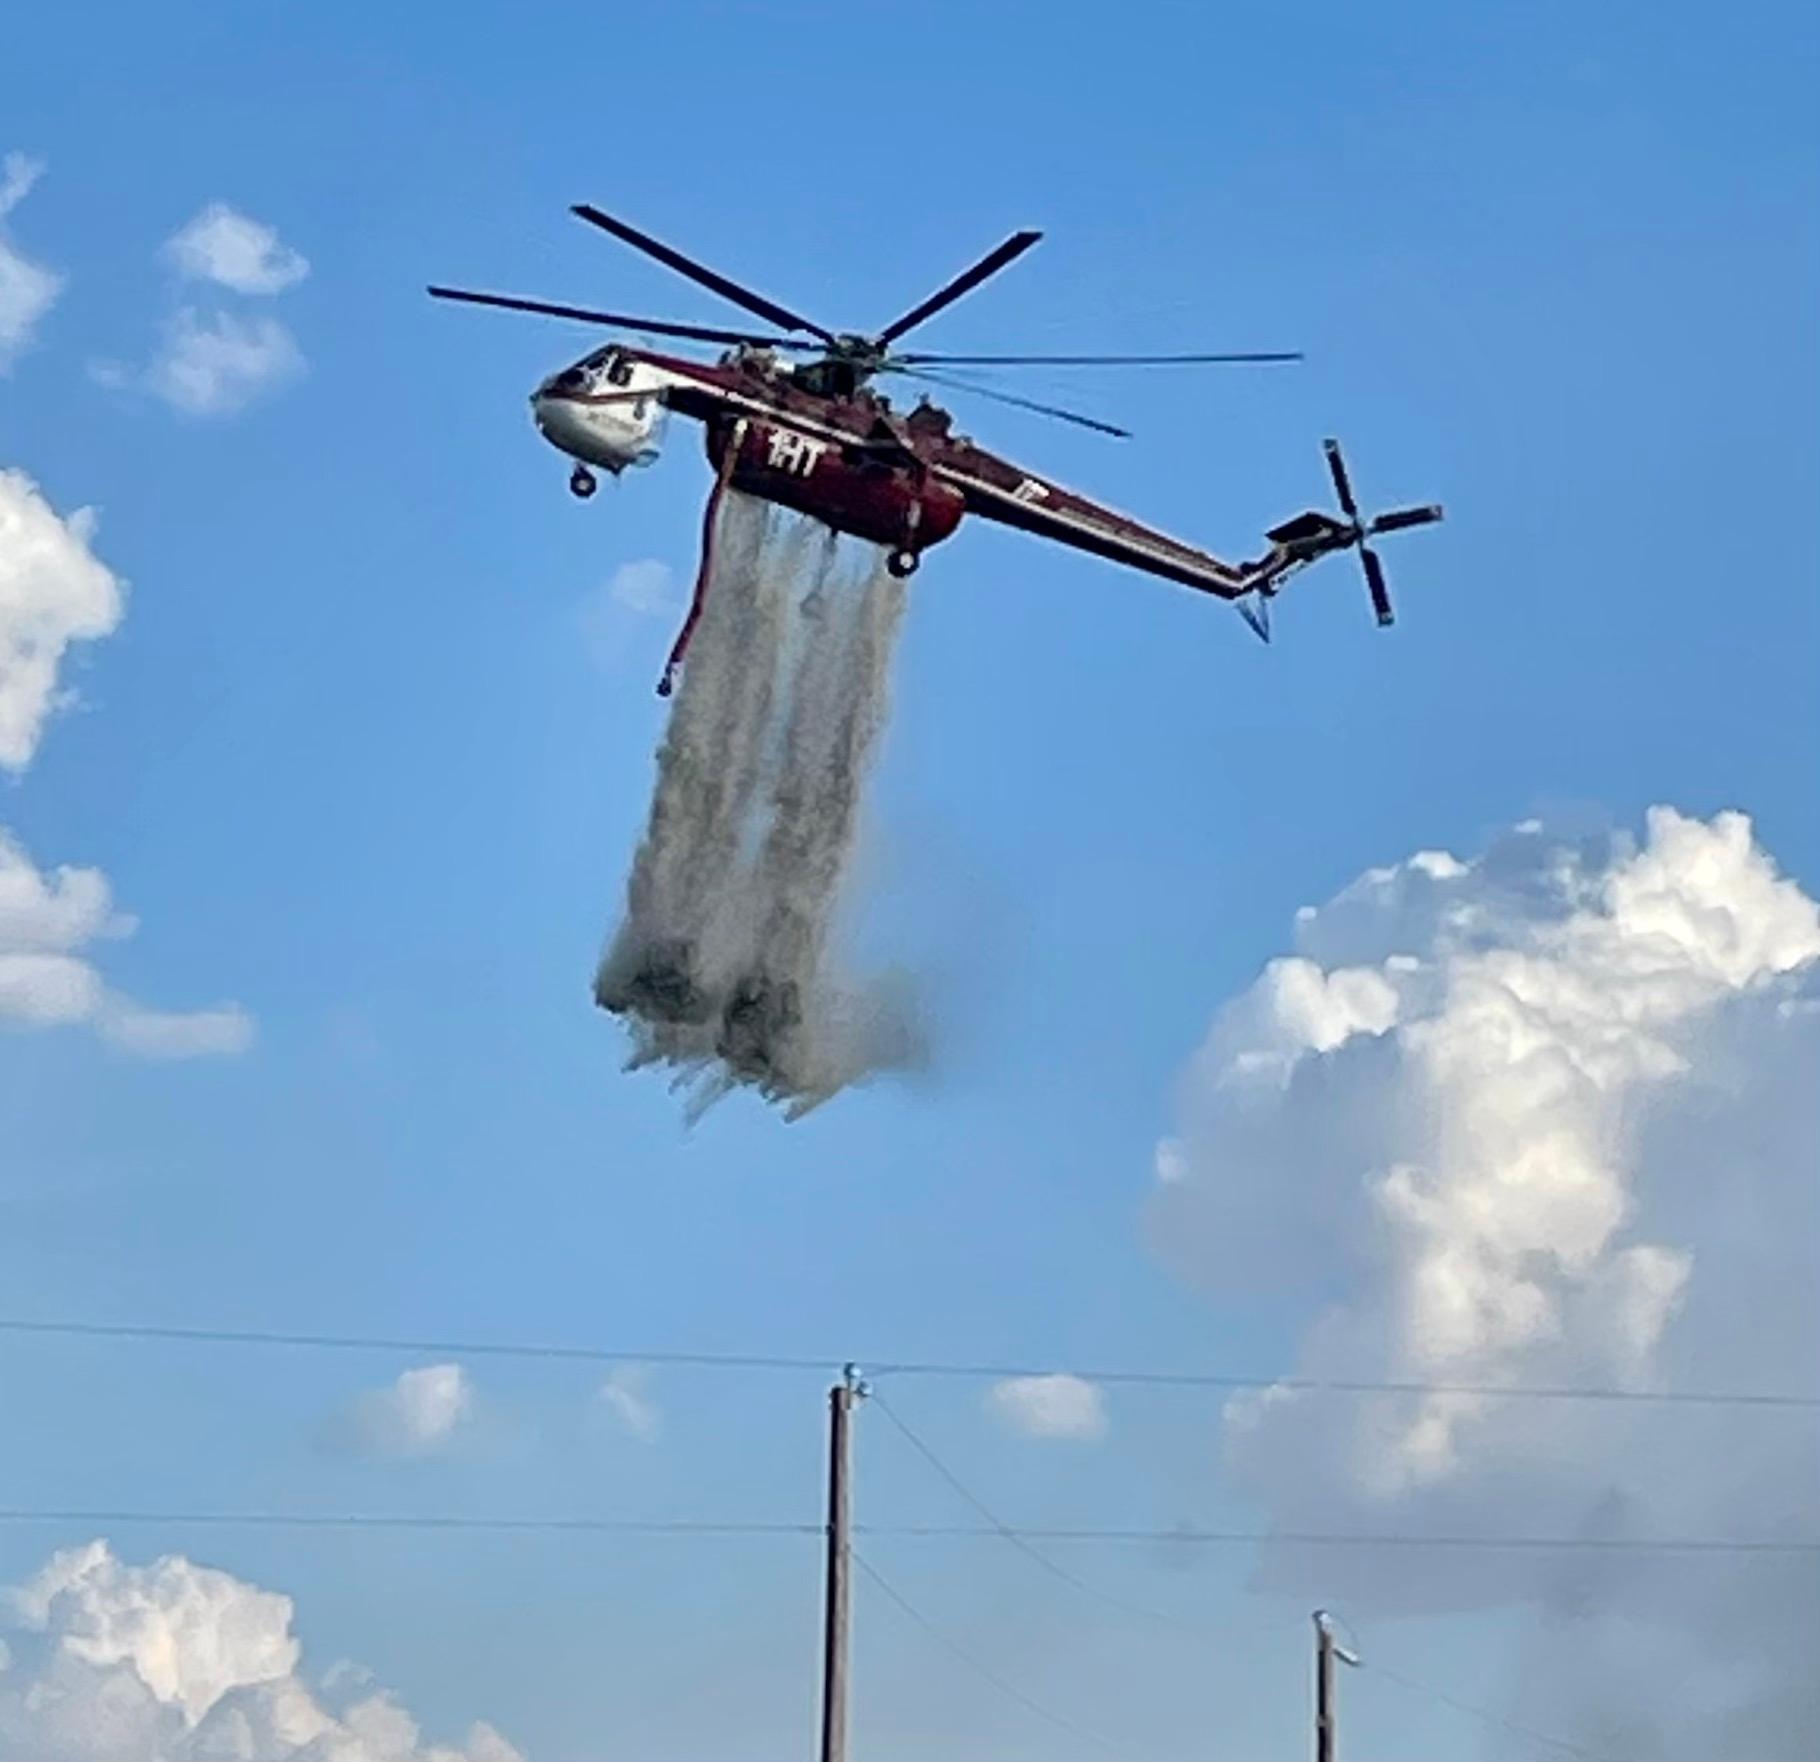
965,282
701,333
1374,579
699,272
1398,518
1097,360
1341,482
998,397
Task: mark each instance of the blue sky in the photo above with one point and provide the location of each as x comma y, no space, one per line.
351,760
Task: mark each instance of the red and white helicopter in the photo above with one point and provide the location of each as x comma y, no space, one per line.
812,435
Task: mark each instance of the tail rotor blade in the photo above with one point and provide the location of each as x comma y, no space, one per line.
1342,484
1399,518
1374,580
1257,616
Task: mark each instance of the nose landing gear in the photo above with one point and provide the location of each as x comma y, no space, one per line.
582,483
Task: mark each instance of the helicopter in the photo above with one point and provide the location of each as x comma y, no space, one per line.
791,417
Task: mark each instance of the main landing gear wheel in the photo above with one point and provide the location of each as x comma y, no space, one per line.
902,564
582,482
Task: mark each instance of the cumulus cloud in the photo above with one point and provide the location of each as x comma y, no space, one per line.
419,1414
633,594
54,591
623,1395
27,289
49,921
175,1662
215,363
1543,1117
1053,1406
233,250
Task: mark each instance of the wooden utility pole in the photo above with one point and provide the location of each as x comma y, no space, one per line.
1325,1652
842,1399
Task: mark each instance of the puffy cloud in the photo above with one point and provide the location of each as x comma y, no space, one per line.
176,1662
1544,1117
48,920
54,591
229,248
633,593
1053,1406
212,364
623,1395
417,1415
27,290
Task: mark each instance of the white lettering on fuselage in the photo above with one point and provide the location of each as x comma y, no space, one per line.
790,451
1031,491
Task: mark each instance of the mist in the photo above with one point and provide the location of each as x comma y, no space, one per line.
725,966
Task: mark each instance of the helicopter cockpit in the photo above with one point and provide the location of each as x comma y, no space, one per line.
606,409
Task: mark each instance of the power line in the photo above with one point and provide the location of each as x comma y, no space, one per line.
1233,1381
1384,1539
1053,1567
313,1520
1167,1379
1714,1545
1562,1746
383,1343
984,1671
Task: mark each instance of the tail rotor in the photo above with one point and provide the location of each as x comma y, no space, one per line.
1362,531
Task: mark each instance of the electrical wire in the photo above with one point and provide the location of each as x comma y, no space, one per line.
952,1646
384,1343
1053,1567
899,1368
1561,1746
1360,1385
1725,1545
1713,1545
315,1520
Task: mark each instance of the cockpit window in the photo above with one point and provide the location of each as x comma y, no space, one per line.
571,379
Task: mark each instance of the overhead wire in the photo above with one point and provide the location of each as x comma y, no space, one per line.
321,1520
1010,1690
1695,1545
1561,1746
1018,1541
831,1363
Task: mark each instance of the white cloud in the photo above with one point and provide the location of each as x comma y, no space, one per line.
1053,1406
419,1414
624,1397
48,922
176,1662
608,614
1545,1117
54,591
213,364
229,248
27,290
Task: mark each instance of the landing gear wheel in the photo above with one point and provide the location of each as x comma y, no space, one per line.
902,564
582,482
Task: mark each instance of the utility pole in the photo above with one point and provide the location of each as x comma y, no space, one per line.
842,1399
1325,1651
